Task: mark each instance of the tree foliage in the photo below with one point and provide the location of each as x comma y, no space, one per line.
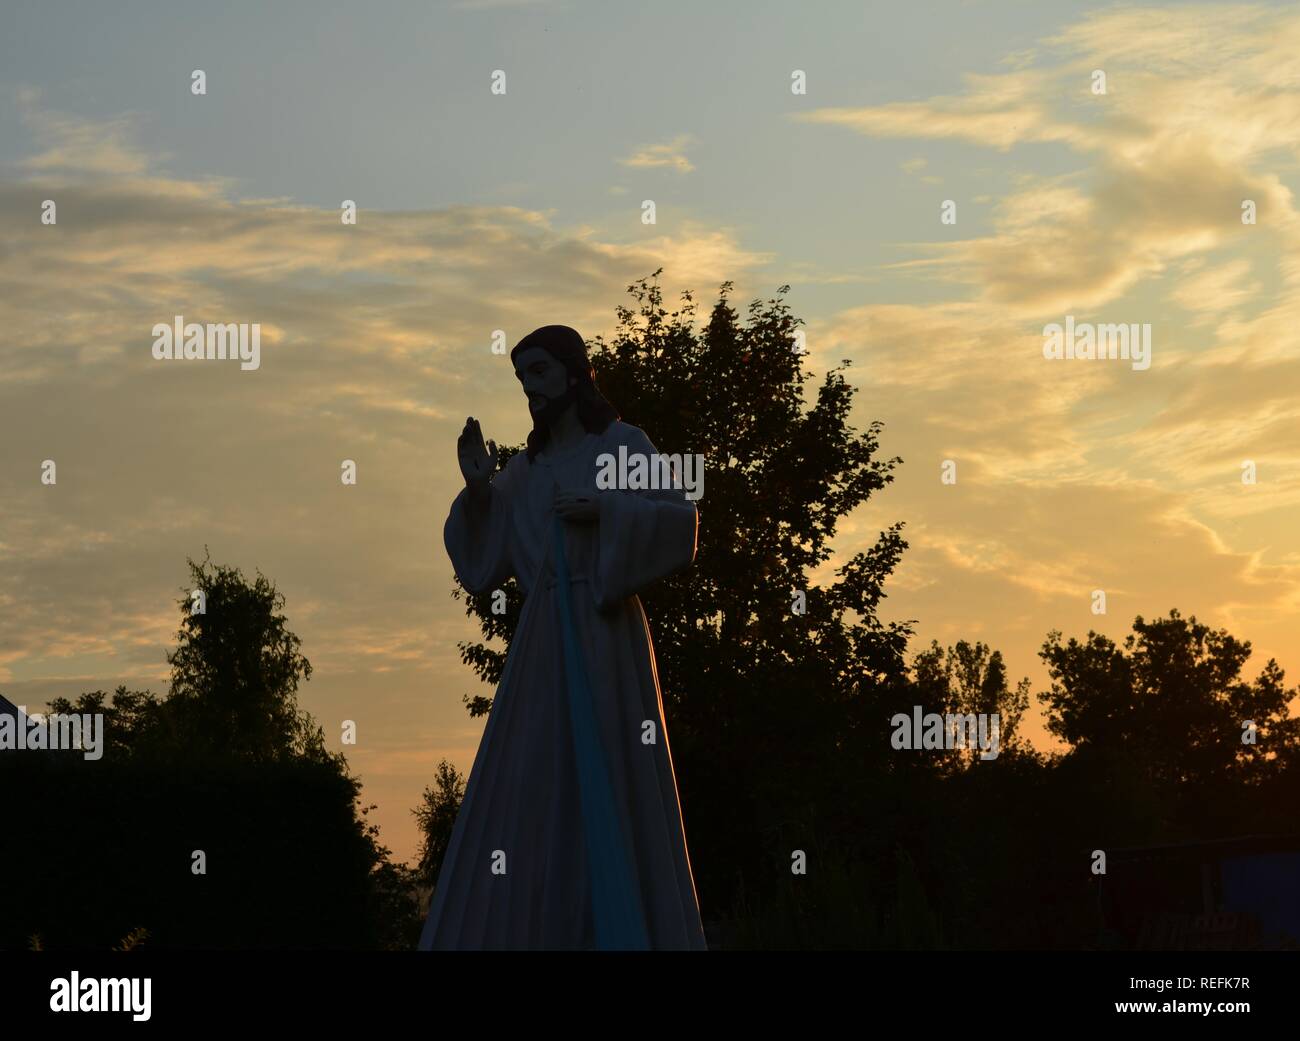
228,765
436,816
236,669
1172,698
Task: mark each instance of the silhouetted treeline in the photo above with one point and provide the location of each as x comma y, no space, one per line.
215,816
106,847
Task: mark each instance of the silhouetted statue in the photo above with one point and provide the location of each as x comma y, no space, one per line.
570,835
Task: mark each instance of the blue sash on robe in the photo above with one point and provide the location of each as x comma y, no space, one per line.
616,904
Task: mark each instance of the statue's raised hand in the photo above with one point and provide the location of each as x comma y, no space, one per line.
478,461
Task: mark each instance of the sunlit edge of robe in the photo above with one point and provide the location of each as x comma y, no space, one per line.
522,803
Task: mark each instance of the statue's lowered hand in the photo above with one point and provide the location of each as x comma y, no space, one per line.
576,505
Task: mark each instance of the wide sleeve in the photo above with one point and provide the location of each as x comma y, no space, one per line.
478,543
644,535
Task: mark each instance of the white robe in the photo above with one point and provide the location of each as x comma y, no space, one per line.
521,809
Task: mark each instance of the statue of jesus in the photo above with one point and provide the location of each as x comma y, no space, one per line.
570,835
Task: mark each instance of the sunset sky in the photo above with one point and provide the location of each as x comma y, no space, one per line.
480,211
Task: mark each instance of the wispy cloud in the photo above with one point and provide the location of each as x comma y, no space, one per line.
671,154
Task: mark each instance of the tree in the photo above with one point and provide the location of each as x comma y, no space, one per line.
971,679
436,816
771,681
1172,700
236,670
136,722
227,764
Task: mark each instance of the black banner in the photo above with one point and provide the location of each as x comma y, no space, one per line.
169,990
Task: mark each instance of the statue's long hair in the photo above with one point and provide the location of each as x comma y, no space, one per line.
566,346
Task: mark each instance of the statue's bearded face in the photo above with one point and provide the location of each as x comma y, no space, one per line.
546,383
